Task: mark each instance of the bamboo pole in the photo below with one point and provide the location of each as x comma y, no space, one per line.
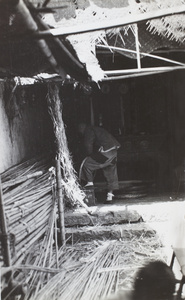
7,254
56,244
60,202
19,180
47,9
152,69
27,226
5,270
28,243
137,47
5,238
21,212
22,168
21,188
137,75
30,188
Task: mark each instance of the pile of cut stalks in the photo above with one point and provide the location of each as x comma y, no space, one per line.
92,270
95,270
28,219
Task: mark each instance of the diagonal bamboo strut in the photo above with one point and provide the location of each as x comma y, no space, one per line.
75,61
29,23
141,53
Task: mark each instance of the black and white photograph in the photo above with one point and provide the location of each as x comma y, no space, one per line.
92,148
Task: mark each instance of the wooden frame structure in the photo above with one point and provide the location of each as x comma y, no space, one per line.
42,33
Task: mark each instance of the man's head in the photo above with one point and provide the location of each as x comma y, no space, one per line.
81,128
155,281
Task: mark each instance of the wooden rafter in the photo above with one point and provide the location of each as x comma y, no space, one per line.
108,24
119,49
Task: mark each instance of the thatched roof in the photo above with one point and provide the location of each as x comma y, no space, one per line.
38,36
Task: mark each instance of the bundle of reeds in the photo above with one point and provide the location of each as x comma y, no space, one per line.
28,202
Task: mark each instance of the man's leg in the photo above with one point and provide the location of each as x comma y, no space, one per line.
110,173
87,170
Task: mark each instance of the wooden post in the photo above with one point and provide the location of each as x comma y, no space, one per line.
60,202
137,47
5,237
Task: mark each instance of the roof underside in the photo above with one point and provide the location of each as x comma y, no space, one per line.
29,47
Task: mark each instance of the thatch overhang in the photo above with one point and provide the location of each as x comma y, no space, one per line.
64,37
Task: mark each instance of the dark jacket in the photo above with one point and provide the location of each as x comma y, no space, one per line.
98,139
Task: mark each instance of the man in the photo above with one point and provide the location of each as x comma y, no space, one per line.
101,153
154,281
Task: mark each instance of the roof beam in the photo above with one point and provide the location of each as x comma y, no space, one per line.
108,24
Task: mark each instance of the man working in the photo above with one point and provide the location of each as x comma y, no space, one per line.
101,150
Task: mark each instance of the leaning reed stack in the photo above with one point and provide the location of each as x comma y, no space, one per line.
29,208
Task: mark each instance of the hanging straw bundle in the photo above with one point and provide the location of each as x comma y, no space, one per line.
69,181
